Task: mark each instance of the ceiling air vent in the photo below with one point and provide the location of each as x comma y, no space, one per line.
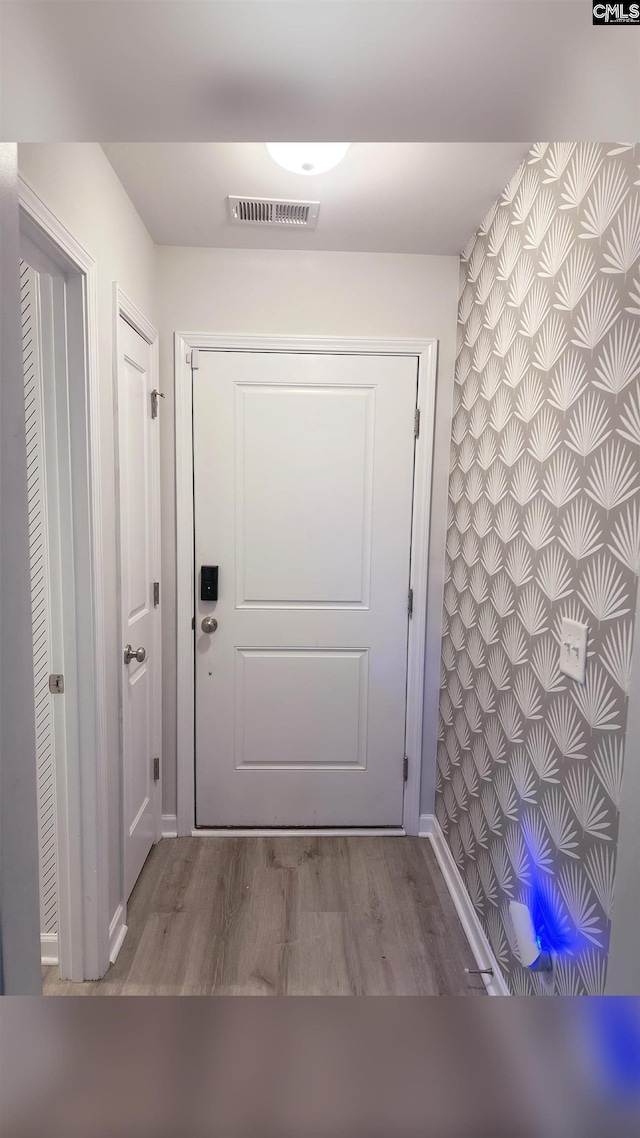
273,211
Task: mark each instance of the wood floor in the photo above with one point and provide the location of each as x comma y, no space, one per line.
288,916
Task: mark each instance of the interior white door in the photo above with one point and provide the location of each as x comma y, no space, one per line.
137,456
33,292
303,479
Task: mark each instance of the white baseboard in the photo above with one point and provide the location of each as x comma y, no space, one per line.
169,826
425,825
117,932
48,948
473,930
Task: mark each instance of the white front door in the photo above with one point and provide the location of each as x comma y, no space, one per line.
303,478
137,451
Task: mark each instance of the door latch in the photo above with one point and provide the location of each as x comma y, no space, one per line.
155,395
56,684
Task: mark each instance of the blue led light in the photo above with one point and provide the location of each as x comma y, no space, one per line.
552,932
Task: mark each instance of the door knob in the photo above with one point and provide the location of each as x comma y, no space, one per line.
138,654
209,624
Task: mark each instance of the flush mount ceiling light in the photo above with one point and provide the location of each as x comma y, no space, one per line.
308,157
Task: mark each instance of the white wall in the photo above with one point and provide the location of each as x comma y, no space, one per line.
80,187
314,294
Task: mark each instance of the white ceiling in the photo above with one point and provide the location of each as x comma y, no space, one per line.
435,91
401,70
384,197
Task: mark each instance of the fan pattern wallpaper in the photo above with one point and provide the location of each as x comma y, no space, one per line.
544,522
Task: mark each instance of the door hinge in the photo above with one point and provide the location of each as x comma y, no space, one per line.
156,770
410,602
193,359
416,422
56,684
193,621
405,767
155,395
156,593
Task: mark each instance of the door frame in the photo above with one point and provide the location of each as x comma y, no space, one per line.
80,769
426,352
124,307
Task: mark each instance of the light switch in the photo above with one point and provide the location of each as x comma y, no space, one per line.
573,649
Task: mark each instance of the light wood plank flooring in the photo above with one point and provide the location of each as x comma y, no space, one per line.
288,916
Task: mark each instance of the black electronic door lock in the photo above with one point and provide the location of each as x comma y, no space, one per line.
208,582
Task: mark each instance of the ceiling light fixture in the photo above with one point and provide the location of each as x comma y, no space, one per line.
308,157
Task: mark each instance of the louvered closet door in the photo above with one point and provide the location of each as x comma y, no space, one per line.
303,476
40,598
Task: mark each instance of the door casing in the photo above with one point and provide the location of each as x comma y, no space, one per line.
426,352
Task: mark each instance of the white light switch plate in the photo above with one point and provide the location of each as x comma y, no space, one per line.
573,649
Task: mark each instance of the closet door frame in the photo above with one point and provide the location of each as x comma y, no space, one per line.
80,785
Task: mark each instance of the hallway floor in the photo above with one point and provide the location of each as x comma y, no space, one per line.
288,917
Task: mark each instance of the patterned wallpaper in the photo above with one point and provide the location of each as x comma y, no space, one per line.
544,522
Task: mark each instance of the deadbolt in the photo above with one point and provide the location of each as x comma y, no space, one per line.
209,624
138,654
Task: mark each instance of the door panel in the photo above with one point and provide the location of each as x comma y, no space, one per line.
304,709
304,533
303,475
137,553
